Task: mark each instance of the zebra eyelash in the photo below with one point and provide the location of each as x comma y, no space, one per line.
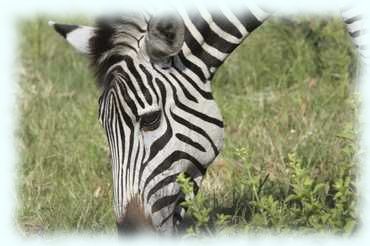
150,121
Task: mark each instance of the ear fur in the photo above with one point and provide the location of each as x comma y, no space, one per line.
165,36
78,36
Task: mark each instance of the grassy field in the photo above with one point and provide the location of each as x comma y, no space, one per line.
286,96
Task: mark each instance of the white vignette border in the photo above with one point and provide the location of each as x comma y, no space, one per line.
9,233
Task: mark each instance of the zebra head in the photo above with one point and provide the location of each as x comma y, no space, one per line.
158,113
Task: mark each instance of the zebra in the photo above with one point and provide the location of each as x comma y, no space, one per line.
156,105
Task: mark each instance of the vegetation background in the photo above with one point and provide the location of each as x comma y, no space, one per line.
288,102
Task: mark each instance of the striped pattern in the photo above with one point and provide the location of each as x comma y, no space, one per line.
190,133
160,117
355,23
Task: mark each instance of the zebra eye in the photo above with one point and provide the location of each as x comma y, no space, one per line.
150,121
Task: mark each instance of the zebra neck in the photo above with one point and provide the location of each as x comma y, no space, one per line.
212,33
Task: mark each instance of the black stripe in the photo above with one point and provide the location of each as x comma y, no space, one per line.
187,94
135,162
221,21
126,45
104,66
167,218
102,102
355,34
123,90
126,78
176,217
194,128
132,23
170,160
249,21
127,34
141,169
198,114
198,51
161,184
204,94
352,19
182,106
187,140
197,70
149,78
208,35
131,67
104,22
163,202
175,213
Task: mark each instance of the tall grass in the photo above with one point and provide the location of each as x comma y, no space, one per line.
286,95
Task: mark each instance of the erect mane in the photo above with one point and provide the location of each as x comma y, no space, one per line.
114,38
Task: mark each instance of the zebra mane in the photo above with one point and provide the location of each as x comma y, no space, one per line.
113,39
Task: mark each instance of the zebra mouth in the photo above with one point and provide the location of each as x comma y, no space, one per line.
135,220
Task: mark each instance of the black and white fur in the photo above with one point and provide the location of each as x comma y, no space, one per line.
156,105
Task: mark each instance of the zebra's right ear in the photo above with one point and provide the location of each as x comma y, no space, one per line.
78,36
165,37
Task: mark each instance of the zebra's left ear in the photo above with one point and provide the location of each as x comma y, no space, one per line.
78,36
165,37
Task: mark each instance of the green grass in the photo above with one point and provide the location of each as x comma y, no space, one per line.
286,96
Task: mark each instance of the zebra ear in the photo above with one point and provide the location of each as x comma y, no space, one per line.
165,36
78,36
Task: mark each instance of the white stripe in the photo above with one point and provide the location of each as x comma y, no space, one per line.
136,86
122,160
192,90
355,26
195,60
197,80
361,40
215,28
257,11
233,19
184,100
138,165
358,25
134,151
351,12
199,38
206,87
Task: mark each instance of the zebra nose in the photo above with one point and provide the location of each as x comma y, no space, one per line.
132,226
127,226
134,219
134,222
